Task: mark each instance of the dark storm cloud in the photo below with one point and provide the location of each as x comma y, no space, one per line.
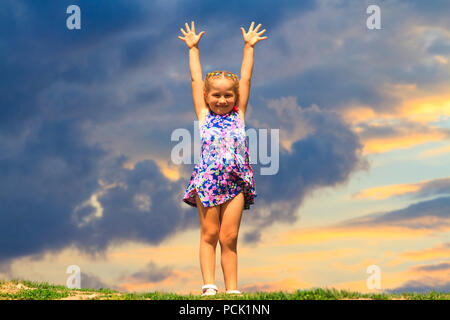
439,47
425,283
433,188
57,85
91,281
389,131
264,11
55,172
56,165
341,83
422,286
434,11
434,267
144,206
41,184
52,82
41,53
334,61
150,273
327,156
437,210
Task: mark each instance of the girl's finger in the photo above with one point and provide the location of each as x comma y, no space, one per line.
243,32
201,35
182,31
251,26
193,27
187,27
181,38
262,32
263,38
257,27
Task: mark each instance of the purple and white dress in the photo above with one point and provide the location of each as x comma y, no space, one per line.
224,169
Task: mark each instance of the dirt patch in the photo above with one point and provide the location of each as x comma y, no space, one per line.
12,288
82,296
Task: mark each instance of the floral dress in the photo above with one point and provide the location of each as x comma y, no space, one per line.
224,168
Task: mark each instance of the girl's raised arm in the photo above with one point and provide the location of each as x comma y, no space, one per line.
191,39
251,38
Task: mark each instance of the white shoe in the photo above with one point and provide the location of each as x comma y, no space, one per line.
209,290
234,292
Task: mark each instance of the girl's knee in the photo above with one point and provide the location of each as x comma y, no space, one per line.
210,236
228,239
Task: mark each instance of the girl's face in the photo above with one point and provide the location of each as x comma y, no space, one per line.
221,97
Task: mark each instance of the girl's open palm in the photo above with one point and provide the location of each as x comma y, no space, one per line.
190,37
252,36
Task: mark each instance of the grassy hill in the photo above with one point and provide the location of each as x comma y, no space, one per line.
28,290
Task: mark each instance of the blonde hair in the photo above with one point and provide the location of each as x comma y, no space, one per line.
221,74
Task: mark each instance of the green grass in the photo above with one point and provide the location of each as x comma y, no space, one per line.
14,289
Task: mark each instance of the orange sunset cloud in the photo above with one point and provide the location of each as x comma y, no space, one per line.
384,192
440,251
405,138
377,233
416,106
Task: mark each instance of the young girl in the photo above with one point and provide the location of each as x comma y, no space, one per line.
222,184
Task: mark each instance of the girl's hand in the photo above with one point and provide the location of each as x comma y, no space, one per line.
252,36
190,37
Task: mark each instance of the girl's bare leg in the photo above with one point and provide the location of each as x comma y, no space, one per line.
209,235
230,220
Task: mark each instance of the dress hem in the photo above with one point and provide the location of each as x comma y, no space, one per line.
189,197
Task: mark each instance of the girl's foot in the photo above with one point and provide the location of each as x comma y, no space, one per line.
235,292
209,290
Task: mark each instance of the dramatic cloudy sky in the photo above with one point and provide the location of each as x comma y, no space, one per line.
86,118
